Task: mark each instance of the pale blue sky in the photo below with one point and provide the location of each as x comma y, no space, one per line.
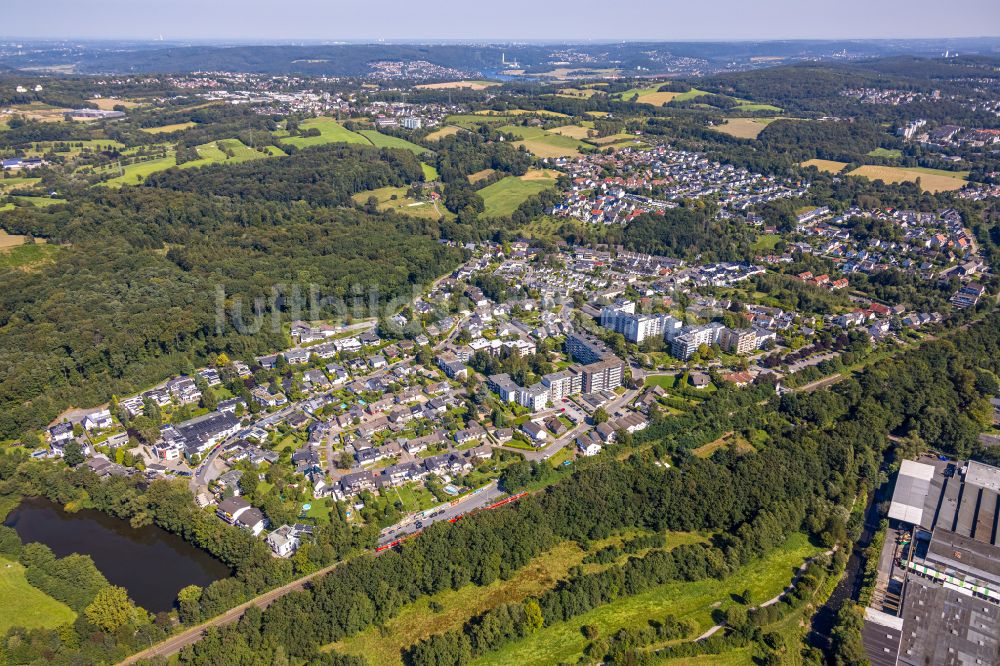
498,19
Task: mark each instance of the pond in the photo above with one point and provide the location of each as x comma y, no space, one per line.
151,563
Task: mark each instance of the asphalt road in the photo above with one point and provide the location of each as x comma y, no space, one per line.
488,495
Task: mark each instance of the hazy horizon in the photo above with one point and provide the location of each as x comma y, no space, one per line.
516,20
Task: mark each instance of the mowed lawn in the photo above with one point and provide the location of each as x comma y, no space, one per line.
563,642
22,605
829,166
931,180
504,196
330,131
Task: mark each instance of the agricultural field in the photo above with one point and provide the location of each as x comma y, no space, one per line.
573,132
480,175
439,134
380,140
45,113
829,166
109,103
651,95
25,606
744,128
577,93
166,129
453,85
892,154
504,196
694,601
394,198
931,180
546,144
330,132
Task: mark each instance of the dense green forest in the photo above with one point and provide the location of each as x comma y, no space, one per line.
132,297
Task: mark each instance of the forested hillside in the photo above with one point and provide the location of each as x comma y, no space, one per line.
131,296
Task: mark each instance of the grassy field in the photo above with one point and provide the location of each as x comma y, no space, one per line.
573,131
330,131
22,605
39,148
546,144
563,642
166,129
18,182
209,153
430,173
380,140
742,445
402,204
417,620
892,154
651,95
931,180
439,134
470,121
504,196
744,128
766,242
830,166
24,256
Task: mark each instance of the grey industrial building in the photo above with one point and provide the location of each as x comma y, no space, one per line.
950,572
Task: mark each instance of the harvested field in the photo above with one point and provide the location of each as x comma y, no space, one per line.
572,131
439,134
930,180
830,166
744,128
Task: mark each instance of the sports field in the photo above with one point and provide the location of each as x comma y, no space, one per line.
504,196
22,605
330,131
744,128
931,180
829,166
